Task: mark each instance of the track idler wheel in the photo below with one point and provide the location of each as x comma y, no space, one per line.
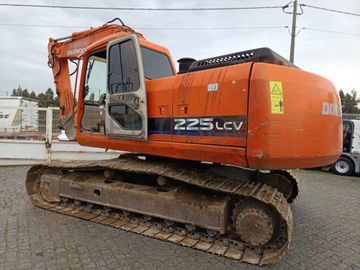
284,181
255,223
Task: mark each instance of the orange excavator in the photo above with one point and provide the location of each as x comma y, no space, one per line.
210,149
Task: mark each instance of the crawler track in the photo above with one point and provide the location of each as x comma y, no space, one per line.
226,245
292,177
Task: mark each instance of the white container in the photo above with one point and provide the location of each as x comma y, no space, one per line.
18,114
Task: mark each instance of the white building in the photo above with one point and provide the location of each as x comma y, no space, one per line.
18,114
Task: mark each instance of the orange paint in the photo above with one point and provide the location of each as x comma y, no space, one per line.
304,135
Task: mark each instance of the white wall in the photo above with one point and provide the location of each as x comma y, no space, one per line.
25,152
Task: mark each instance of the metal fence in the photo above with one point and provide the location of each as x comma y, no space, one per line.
351,116
30,137
29,123
42,123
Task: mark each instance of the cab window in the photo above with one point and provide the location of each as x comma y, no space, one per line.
95,81
123,68
93,120
156,64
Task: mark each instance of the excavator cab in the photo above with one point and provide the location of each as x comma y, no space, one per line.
114,92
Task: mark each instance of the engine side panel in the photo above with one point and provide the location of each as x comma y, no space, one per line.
306,134
210,107
294,119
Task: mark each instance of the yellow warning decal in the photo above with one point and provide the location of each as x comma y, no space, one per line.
276,96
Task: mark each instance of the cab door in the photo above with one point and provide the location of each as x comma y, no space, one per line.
126,105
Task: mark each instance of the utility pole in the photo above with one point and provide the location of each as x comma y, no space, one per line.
293,32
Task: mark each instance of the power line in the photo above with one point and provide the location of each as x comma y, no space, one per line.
182,28
330,31
140,8
146,28
174,9
210,28
41,26
331,10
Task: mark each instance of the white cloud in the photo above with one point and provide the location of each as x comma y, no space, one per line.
23,50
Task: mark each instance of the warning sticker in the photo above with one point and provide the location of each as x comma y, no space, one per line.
276,97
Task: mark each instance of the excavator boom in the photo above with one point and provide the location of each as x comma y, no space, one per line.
71,48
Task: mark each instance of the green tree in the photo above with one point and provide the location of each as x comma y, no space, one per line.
25,93
342,97
50,97
17,92
42,100
33,95
349,101
20,92
57,101
47,99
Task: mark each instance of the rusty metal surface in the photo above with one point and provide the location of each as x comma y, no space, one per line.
223,246
254,223
178,203
286,181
